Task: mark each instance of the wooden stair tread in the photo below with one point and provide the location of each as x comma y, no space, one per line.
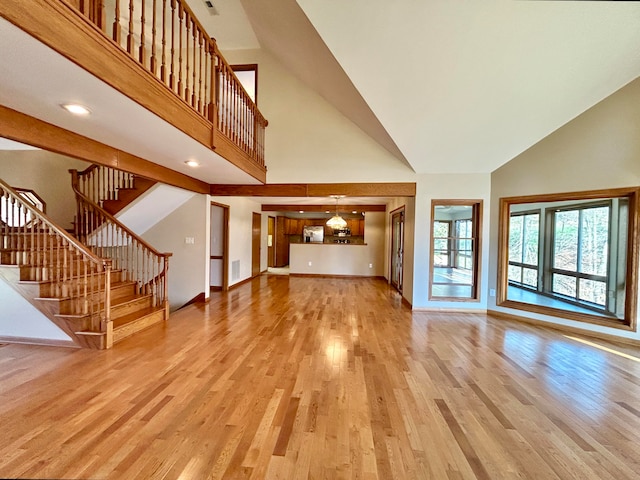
128,299
132,317
69,279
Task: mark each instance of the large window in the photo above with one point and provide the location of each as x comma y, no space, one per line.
573,255
455,249
524,240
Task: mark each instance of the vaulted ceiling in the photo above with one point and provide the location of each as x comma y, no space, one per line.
452,86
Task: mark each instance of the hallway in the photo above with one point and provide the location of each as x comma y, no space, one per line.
301,377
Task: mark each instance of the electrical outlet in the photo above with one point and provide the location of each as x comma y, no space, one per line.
492,292
189,240
310,263
371,265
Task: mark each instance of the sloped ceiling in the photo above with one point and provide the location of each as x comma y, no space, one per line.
455,86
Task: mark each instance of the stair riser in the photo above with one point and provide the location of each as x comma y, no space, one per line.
54,273
70,287
130,307
19,240
134,327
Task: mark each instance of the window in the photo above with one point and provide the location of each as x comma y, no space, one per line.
524,239
455,247
248,77
572,255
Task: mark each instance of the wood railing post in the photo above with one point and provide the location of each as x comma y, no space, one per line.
107,323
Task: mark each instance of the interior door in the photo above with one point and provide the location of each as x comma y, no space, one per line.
271,242
219,242
397,248
255,244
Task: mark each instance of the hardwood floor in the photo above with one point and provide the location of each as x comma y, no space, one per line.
298,377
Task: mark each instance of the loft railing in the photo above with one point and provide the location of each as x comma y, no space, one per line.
29,239
99,183
109,238
166,38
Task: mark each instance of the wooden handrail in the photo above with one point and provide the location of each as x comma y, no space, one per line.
190,63
139,261
73,272
54,227
121,225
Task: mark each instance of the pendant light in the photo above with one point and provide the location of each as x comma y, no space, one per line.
337,222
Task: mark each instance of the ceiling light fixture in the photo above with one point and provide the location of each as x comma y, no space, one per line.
192,163
337,222
76,109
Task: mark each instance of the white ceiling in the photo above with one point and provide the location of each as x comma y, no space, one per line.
464,86
115,119
449,86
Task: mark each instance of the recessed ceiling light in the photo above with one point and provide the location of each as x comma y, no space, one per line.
76,109
192,163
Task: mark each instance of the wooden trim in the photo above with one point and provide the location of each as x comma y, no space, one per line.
476,216
200,298
397,210
322,275
633,256
242,282
383,189
406,302
248,67
346,208
39,341
238,157
60,27
563,328
23,128
473,311
225,244
69,33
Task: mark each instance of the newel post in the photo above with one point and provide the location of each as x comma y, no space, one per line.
107,324
165,286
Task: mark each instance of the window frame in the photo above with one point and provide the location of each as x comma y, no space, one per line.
599,197
476,247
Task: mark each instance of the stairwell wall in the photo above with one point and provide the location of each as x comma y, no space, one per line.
187,265
46,173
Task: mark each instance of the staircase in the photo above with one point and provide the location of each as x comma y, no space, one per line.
99,286
110,188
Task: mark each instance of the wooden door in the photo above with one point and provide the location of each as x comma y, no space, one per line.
256,232
397,248
219,247
271,242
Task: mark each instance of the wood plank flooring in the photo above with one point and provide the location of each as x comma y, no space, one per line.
298,377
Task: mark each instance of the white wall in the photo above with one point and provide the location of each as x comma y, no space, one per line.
241,211
339,259
47,174
441,187
18,318
599,149
188,266
307,139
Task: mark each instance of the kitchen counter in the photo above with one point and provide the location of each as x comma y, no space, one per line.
335,259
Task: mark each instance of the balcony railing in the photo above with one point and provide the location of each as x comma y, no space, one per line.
166,38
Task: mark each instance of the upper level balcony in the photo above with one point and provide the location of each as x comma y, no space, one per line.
157,54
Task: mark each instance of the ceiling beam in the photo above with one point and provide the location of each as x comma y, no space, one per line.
323,208
397,189
23,128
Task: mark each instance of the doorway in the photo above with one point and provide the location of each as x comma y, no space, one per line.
219,247
256,233
271,248
397,248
